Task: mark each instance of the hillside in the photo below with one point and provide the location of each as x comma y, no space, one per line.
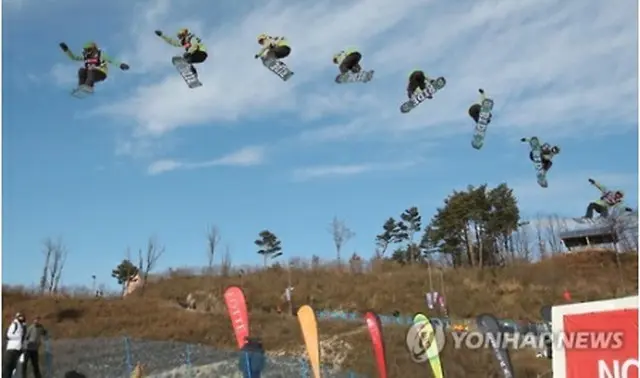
515,292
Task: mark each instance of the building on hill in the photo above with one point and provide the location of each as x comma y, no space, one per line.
618,233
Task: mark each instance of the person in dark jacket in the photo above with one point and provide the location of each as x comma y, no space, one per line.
35,334
15,345
252,359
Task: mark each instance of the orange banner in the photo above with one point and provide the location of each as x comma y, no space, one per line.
309,327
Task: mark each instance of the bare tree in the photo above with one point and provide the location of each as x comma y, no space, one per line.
225,263
213,239
148,262
55,254
553,226
522,243
48,251
341,235
542,248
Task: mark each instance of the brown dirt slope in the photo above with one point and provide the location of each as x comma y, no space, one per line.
514,292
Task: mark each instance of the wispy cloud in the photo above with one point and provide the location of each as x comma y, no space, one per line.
63,74
543,71
328,171
245,157
547,63
236,83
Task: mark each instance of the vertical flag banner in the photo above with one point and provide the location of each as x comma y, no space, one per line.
429,341
309,327
236,304
374,325
488,324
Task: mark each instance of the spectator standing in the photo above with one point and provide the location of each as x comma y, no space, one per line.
286,299
15,345
36,333
252,359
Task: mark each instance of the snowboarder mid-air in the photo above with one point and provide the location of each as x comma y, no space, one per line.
195,50
96,64
547,152
475,109
272,47
418,84
348,60
609,199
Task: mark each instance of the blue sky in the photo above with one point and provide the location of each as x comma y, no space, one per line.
246,152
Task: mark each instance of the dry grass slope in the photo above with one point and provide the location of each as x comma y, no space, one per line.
513,292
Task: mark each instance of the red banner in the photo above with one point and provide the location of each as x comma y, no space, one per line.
237,309
375,331
601,344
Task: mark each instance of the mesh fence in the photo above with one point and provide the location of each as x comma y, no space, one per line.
117,357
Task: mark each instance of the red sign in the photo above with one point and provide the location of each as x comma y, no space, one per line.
613,350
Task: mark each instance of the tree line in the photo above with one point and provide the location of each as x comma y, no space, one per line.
479,227
474,227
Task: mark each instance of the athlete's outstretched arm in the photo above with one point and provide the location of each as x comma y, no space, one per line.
169,40
109,60
600,187
262,50
268,44
68,52
483,96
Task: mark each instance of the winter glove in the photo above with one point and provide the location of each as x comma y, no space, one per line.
256,56
523,140
124,66
628,209
159,33
592,181
481,91
64,47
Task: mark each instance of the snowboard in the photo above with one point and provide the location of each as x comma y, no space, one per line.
278,68
82,91
536,151
350,77
583,220
483,120
184,69
431,88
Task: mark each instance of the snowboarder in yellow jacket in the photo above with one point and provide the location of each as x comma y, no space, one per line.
96,64
348,60
273,47
195,50
609,199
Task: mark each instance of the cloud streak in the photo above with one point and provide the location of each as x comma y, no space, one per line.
245,157
332,171
547,63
